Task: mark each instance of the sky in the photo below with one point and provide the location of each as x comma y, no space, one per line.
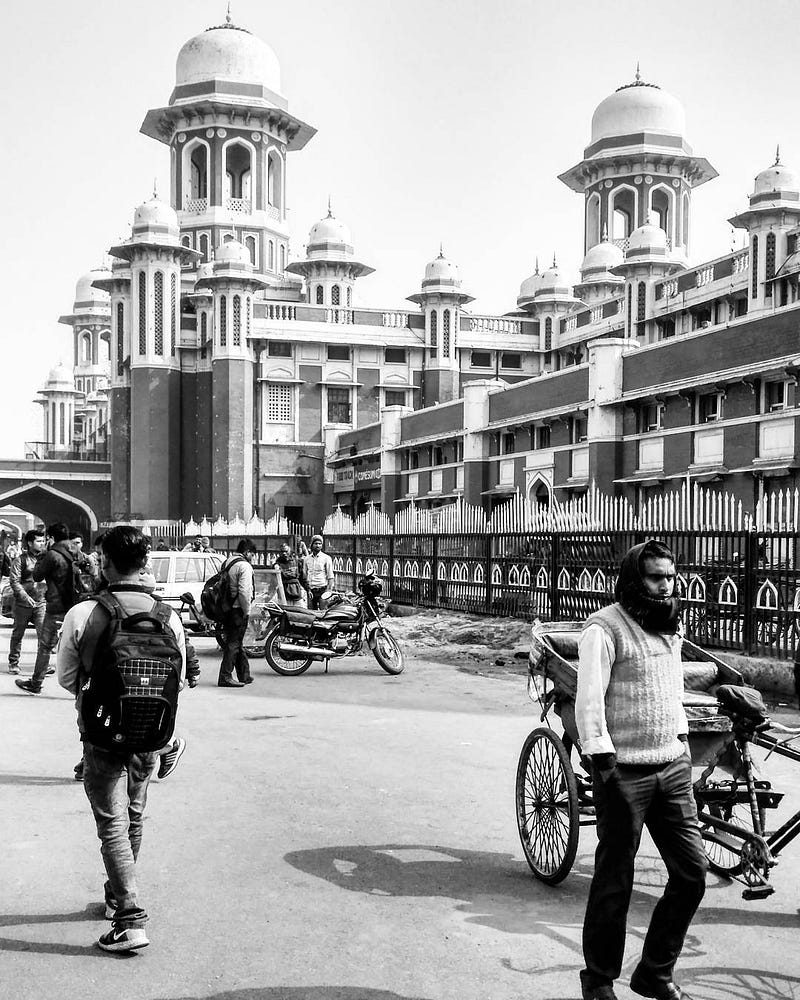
439,121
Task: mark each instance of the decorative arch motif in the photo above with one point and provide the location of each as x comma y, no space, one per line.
426,570
478,575
564,580
497,575
542,579
767,596
585,580
599,582
728,592
697,588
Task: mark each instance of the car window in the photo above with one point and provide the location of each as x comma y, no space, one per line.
188,569
213,564
160,566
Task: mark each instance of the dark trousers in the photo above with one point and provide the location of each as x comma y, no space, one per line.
234,656
661,799
48,638
24,614
314,594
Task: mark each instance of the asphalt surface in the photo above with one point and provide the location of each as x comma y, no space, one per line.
340,837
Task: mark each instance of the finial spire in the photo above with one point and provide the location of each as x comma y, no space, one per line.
537,264
330,211
228,14
554,259
777,154
638,74
155,187
441,250
605,233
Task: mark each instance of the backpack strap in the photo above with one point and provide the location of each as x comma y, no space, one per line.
163,612
96,626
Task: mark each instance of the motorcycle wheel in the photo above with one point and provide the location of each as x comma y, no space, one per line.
388,652
288,668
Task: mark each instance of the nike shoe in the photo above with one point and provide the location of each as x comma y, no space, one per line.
123,939
170,756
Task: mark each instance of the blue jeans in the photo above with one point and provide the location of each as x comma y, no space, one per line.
48,637
24,614
116,786
660,798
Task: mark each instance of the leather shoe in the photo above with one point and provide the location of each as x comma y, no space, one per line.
658,989
230,682
247,680
598,993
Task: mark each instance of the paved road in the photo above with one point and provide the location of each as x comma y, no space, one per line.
340,837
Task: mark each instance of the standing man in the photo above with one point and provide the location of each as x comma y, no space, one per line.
632,725
239,572
28,594
115,783
317,573
55,569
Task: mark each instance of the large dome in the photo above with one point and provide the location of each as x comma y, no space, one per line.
638,107
776,179
231,54
85,294
330,230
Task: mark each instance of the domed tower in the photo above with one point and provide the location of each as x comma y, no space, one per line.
647,258
145,289
330,268
637,163
774,211
528,289
229,131
441,299
552,300
598,281
58,400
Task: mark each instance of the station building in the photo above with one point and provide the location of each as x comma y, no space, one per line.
226,375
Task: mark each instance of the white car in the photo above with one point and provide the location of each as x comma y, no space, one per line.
179,573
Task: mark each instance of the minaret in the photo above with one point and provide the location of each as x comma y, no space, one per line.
145,301
638,164
58,400
229,132
441,299
551,301
647,258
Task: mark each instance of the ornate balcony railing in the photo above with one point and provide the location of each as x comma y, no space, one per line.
493,324
238,205
273,212
195,205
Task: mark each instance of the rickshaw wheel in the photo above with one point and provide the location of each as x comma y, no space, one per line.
547,806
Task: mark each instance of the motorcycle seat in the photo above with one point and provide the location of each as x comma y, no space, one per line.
302,616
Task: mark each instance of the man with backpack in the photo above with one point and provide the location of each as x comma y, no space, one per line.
28,594
123,656
237,577
64,571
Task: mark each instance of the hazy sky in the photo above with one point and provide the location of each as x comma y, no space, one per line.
437,120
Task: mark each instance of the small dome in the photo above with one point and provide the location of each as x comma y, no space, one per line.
330,230
155,214
602,256
232,252
638,107
230,54
776,179
60,377
530,286
553,283
647,237
204,271
441,269
85,294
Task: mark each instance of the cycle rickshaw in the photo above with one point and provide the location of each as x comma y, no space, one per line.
726,718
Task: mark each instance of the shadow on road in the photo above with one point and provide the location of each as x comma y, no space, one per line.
721,983
302,993
36,779
92,912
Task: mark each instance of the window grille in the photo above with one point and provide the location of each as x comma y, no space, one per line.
349,296
335,295
434,333
203,334
280,408
769,265
120,337
548,334
446,333
158,304
641,302
338,405
142,314
320,295
630,310
173,309
247,316
237,321
223,321
754,268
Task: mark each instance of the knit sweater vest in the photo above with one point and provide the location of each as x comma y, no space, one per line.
644,695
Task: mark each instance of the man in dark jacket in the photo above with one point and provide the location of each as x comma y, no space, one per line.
28,594
55,569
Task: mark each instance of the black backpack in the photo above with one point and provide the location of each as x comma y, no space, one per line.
215,599
129,700
79,583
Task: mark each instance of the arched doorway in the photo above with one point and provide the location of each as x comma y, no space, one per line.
539,494
48,504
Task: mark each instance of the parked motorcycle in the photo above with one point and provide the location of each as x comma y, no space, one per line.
297,636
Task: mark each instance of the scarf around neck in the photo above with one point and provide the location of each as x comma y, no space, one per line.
652,613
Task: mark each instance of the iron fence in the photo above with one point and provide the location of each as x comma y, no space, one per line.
740,589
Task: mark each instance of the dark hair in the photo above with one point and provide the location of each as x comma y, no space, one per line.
75,534
29,536
126,547
58,531
654,549
99,539
246,545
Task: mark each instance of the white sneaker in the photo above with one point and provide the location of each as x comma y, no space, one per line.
123,939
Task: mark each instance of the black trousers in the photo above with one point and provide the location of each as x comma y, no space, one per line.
233,653
660,798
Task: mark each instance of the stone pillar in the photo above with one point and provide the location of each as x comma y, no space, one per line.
391,426
476,440
605,409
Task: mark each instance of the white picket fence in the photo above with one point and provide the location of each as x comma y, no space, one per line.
256,527
692,508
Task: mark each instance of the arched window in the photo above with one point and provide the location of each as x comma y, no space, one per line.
250,243
641,302
271,256
120,337
660,204
623,215
237,321
142,314
434,333
274,180
769,265
283,258
630,309
158,303
592,220
446,333
86,349
204,246
186,241
320,295
173,311
754,267
62,423
349,296
223,321
335,295
237,177
198,172
203,334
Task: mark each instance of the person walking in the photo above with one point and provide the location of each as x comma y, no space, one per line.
317,573
55,570
239,571
289,567
633,727
29,606
116,783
